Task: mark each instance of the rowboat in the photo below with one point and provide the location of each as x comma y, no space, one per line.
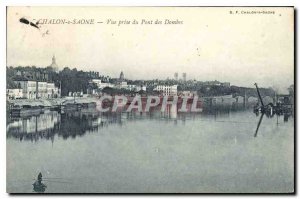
39,187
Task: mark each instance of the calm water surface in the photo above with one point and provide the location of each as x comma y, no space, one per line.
155,152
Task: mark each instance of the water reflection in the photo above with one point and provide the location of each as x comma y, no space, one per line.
286,117
258,125
72,124
213,150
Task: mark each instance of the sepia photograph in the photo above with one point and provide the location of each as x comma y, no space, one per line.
150,100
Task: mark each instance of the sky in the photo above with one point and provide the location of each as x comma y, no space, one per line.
210,44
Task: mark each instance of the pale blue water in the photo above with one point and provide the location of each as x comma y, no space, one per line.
156,152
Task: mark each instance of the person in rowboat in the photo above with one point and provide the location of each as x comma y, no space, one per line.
40,176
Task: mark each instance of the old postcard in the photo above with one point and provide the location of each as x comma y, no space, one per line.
150,100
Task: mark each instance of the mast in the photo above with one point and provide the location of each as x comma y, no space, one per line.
261,101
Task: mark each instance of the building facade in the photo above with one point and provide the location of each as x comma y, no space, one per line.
42,90
166,90
34,90
97,82
187,93
131,87
15,93
52,91
29,88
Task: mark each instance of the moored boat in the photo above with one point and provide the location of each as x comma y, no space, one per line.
25,110
89,105
72,106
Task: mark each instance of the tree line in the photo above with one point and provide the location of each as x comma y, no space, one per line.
73,80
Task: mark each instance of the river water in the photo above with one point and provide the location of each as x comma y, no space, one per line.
209,152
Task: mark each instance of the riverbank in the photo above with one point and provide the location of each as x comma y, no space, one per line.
51,102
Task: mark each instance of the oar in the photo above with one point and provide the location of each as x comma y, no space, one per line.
57,181
56,178
49,180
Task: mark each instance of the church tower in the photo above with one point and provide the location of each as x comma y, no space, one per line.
54,65
121,76
53,60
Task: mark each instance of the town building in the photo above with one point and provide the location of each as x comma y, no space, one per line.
14,93
141,88
52,91
121,83
28,87
187,93
131,87
41,90
36,89
166,90
107,84
99,86
97,82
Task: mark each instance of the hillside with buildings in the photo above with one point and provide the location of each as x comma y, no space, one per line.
31,82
